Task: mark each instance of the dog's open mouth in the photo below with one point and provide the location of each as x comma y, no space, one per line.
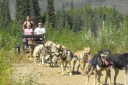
105,58
106,62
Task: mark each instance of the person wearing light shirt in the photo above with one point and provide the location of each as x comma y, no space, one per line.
40,29
27,31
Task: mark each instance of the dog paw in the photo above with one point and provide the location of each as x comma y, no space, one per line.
100,84
62,74
58,71
87,83
70,74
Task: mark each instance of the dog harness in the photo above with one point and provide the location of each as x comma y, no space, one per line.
66,55
51,45
82,57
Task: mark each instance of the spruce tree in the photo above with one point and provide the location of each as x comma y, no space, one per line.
1,13
63,15
31,10
7,11
4,13
50,11
34,10
21,10
72,5
60,18
27,7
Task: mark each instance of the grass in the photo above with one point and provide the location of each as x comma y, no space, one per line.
6,70
112,38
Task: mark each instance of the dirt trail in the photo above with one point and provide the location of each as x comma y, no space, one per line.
40,75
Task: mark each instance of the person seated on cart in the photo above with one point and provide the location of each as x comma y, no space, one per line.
27,31
40,30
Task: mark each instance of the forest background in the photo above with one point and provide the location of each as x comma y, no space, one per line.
96,26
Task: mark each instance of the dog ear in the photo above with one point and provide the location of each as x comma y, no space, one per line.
99,52
86,48
58,46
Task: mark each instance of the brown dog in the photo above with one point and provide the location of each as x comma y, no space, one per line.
82,57
30,47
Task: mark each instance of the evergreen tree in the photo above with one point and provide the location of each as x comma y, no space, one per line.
21,10
4,13
34,10
1,13
7,12
60,18
31,10
72,5
27,7
63,15
50,11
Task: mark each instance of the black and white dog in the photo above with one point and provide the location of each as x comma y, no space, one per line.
100,62
120,62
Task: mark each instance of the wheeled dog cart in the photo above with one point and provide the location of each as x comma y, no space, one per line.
35,40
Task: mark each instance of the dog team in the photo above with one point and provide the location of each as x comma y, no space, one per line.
57,55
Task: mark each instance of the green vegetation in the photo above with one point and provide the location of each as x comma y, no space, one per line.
113,39
50,14
94,27
4,13
74,28
8,38
27,7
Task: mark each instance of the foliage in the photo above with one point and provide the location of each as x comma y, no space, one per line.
8,38
27,7
75,28
88,17
34,10
4,13
50,13
106,38
21,10
7,58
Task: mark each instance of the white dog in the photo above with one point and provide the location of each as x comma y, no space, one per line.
36,51
51,45
45,55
